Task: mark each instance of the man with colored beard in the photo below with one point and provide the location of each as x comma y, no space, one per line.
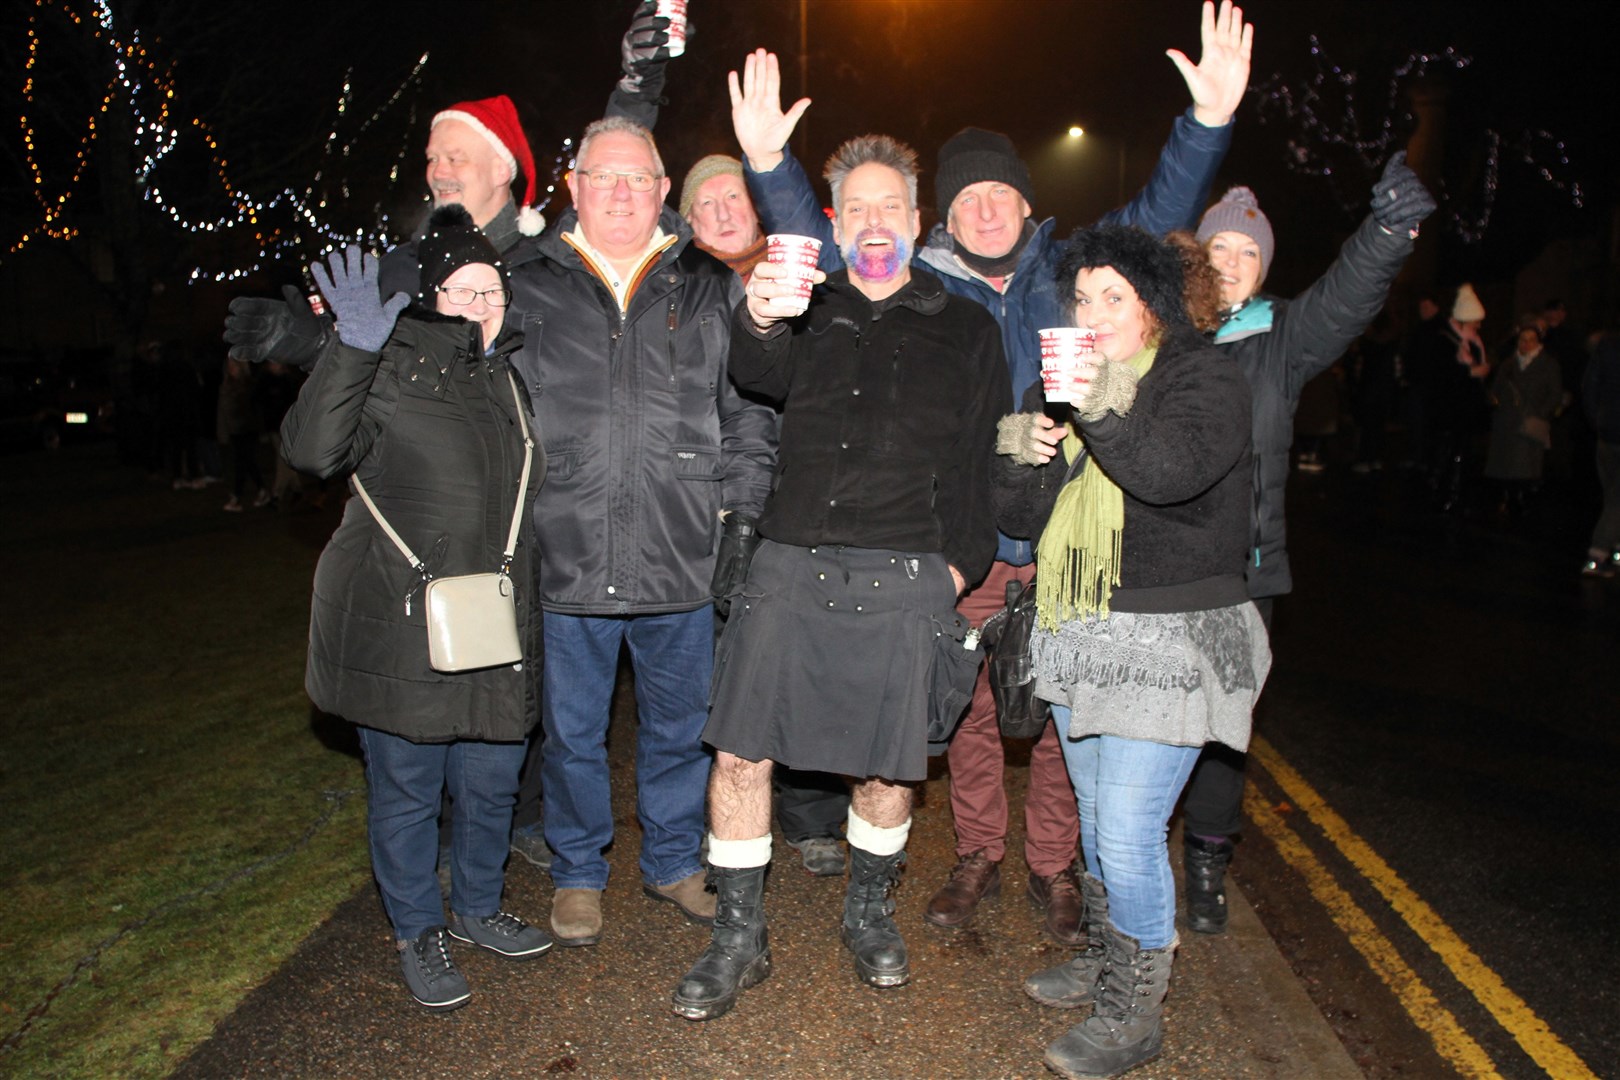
989,248
879,515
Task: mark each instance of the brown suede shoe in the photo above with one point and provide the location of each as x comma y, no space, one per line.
691,894
576,916
973,878
1058,899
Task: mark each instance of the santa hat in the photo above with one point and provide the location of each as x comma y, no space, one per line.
496,119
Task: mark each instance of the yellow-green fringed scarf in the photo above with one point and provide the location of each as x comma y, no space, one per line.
1078,556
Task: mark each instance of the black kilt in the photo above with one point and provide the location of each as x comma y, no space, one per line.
825,659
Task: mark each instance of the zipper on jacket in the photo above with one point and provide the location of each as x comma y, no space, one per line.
672,324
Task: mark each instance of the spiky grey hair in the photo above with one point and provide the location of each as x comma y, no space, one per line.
871,150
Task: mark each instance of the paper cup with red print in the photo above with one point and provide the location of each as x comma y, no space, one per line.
1065,350
675,12
798,255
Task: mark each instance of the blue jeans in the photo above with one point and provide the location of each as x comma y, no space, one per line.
404,781
1126,789
673,658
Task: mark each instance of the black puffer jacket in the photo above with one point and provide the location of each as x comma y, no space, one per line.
646,437
431,428
1281,346
1181,457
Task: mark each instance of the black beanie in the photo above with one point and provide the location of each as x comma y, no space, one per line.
973,155
451,242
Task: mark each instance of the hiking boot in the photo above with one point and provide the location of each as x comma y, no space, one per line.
869,931
739,952
1205,864
576,916
691,894
821,855
973,878
501,933
1128,1027
1074,984
531,844
1057,898
430,974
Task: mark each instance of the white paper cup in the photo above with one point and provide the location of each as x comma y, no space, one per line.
675,12
798,255
1062,350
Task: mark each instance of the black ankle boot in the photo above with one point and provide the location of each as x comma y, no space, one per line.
1205,863
869,930
739,953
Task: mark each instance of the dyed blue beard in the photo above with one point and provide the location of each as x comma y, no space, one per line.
878,266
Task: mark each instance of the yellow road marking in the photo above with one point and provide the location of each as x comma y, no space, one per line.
1510,1010
1450,1040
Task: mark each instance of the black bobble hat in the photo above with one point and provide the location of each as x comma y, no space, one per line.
451,242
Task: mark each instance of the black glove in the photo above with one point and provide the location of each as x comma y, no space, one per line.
285,331
1400,202
738,539
364,320
643,51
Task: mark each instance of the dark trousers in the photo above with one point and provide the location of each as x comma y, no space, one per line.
810,804
1213,804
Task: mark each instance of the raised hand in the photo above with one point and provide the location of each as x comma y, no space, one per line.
1400,202
756,110
1218,82
644,49
363,320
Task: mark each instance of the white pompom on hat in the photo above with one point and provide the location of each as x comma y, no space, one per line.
1467,308
496,119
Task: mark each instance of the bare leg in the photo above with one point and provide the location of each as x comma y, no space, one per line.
740,797
884,803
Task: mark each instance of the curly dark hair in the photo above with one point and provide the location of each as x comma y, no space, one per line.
1201,292
1151,266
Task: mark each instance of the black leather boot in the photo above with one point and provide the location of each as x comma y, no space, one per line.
1205,863
739,952
869,930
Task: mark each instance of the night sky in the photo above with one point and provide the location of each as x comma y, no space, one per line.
267,77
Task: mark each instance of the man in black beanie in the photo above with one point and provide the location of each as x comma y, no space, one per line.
989,248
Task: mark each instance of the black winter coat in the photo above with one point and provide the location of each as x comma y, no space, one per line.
889,419
646,437
1279,355
431,428
1181,457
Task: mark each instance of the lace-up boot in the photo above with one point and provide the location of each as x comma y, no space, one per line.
739,952
869,931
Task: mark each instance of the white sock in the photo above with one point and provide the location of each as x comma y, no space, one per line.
869,837
740,854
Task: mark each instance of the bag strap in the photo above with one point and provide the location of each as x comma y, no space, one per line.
517,511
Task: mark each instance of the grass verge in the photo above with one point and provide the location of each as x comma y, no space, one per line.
174,817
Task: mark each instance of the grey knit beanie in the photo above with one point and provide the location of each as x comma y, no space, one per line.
706,169
1239,211
973,155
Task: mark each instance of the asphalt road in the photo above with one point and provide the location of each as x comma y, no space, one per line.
1450,689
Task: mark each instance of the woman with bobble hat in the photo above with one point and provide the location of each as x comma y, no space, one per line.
1146,643
414,397
1280,345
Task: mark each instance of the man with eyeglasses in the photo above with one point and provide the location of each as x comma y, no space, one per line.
626,327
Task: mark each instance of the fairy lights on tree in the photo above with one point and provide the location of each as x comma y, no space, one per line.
1328,133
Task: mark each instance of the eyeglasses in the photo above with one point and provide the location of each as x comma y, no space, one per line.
606,179
461,295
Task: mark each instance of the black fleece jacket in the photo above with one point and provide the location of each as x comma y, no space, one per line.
889,413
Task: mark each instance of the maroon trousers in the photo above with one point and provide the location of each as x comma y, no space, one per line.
977,761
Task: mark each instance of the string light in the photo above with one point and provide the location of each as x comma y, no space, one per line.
1326,126
147,89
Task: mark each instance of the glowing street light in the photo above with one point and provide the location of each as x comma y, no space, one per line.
1076,131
